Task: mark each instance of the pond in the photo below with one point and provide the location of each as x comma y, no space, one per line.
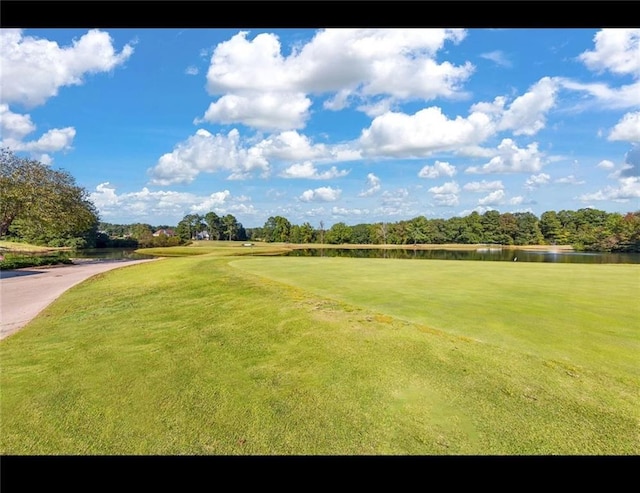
491,254
109,254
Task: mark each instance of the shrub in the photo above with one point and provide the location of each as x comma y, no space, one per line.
22,260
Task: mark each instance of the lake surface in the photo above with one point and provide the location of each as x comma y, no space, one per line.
489,254
109,254
499,255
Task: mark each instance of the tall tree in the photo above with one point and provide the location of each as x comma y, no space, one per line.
528,231
230,225
339,233
190,226
282,229
306,233
42,203
418,230
214,225
381,231
551,228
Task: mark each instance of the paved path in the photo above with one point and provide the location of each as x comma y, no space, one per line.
26,292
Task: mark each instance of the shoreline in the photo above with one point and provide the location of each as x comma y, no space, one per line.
432,246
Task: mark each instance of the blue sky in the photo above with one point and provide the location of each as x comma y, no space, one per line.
351,125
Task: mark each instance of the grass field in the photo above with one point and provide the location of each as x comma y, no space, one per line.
288,355
16,246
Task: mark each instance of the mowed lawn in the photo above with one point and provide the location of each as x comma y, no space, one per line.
270,355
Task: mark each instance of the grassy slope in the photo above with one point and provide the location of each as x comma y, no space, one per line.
193,356
16,246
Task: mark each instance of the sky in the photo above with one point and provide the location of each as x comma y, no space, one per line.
333,125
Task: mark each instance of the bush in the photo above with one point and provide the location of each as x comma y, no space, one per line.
22,260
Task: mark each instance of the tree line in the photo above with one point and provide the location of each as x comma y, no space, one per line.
584,229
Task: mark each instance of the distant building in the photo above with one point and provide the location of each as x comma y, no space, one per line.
166,232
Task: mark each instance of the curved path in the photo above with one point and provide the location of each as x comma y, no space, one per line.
26,292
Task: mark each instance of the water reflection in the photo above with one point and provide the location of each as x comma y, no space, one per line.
109,254
503,255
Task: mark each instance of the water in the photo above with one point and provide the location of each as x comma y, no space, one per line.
490,254
109,254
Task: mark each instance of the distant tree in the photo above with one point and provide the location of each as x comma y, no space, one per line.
418,230
528,229
306,233
507,228
551,228
627,231
490,221
282,231
241,233
363,234
381,232
230,225
438,227
214,225
190,226
339,233
140,230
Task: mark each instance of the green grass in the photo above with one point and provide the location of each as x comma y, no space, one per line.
329,356
16,246
578,313
216,248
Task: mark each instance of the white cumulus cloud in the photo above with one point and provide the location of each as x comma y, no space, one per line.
373,184
309,171
256,80
629,188
570,180
322,194
446,195
534,181
145,203
627,129
428,130
13,125
494,198
341,211
16,127
616,50
293,146
208,153
34,69
526,114
437,170
605,164
264,111
483,186
511,159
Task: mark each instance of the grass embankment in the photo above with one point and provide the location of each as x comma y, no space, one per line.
218,249
204,355
17,255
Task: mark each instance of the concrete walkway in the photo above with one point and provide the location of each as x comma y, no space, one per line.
26,292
